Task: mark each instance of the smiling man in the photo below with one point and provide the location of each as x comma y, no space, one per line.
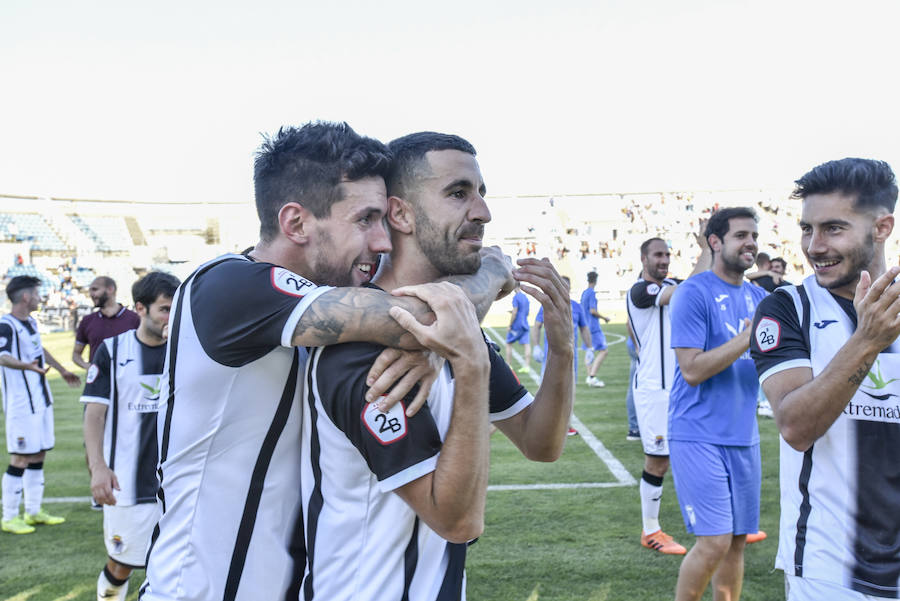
713,436
828,358
407,493
229,417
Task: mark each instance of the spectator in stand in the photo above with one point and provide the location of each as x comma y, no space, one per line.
111,320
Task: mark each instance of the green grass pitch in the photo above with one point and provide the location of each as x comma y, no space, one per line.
538,545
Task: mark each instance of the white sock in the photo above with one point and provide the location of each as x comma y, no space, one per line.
34,488
651,494
12,494
107,591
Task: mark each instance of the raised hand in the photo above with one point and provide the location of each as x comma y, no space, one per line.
540,280
878,308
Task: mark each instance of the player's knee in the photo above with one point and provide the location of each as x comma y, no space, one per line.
118,570
656,465
714,548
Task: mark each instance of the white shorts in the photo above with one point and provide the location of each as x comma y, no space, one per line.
28,433
813,589
127,531
652,409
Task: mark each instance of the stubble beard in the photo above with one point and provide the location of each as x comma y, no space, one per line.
443,253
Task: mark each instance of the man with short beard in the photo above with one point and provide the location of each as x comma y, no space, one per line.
828,357
111,320
407,492
713,436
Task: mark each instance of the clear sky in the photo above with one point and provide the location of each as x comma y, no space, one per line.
166,100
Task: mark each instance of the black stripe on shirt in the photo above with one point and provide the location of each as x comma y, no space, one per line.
662,348
410,560
451,588
258,481
314,508
805,509
115,405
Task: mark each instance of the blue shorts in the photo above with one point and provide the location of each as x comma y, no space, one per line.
598,340
718,487
517,335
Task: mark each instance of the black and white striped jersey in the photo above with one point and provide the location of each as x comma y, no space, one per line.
363,541
23,391
840,500
125,376
229,435
652,329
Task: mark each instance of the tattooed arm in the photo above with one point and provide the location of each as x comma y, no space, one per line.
354,314
804,406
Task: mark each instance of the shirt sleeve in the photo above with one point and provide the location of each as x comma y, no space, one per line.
397,449
578,315
507,395
98,382
778,342
81,332
6,338
242,310
539,318
689,317
645,294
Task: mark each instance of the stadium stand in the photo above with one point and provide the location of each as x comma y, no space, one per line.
30,227
109,233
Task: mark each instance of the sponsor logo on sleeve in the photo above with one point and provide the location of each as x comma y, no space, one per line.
3,341
290,283
653,289
387,427
92,374
767,334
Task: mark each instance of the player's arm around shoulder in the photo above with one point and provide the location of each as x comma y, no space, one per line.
451,499
805,407
539,431
362,314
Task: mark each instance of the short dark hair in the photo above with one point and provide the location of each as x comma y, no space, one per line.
147,289
20,284
718,221
762,258
780,260
592,277
307,164
106,281
645,245
409,157
872,182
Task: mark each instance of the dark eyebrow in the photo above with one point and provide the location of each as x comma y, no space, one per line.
458,183
367,211
827,223
464,183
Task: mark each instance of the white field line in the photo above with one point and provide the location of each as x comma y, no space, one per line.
615,466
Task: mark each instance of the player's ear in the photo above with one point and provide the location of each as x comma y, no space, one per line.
883,227
715,244
400,215
295,221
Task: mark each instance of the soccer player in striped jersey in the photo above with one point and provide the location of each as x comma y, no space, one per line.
121,397
827,353
229,417
648,309
28,405
391,499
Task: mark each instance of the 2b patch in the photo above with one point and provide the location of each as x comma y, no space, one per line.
290,283
767,334
387,427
